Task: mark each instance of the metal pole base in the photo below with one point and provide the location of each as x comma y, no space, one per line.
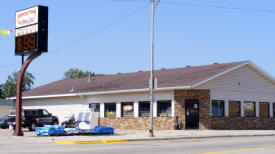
20,133
151,133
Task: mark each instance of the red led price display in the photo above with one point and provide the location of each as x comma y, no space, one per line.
26,43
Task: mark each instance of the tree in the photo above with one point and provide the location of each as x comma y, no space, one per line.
1,91
8,89
76,73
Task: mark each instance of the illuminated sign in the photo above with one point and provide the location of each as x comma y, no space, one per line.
27,17
31,33
27,42
26,30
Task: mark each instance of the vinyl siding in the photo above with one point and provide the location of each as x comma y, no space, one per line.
4,110
60,107
243,83
66,106
134,97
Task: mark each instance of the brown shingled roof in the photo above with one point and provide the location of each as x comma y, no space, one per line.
177,77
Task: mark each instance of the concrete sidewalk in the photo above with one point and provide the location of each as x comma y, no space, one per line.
138,135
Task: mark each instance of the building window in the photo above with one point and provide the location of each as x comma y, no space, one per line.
264,109
110,110
273,110
234,109
94,107
249,109
164,108
127,109
217,108
144,109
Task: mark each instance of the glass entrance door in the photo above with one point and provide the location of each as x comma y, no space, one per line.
192,114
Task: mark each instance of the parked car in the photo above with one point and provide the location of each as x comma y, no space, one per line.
33,117
4,122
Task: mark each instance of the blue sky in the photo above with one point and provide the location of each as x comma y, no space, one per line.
185,35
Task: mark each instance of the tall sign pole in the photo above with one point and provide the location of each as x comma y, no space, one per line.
31,39
152,79
18,120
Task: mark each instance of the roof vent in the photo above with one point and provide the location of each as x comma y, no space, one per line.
163,68
140,71
118,73
72,90
215,63
188,66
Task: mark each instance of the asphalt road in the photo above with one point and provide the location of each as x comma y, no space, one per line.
234,145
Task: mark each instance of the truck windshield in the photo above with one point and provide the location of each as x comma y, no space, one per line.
13,113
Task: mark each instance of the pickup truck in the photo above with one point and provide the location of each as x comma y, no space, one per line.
33,117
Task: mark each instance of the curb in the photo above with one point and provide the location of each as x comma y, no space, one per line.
153,139
198,137
93,142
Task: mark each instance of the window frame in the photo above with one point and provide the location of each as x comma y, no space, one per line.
254,109
105,113
122,110
268,109
158,108
45,111
139,106
219,101
240,112
96,105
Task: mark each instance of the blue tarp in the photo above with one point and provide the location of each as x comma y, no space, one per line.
49,130
104,129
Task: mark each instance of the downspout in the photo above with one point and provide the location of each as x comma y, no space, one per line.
85,102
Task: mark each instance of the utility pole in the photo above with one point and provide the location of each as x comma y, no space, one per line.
152,79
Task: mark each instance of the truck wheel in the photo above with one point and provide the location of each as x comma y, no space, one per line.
32,126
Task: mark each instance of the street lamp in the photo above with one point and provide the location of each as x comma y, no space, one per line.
152,86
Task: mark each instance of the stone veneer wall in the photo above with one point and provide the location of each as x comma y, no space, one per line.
205,121
208,122
204,106
139,123
242,123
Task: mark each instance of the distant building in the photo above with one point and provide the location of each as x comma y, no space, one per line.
5,106
236,95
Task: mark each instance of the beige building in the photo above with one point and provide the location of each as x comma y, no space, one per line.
5,107
236,95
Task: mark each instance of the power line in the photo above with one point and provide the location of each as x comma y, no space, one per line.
140,1
218,7
202,6
91,34
100,30
9,65
141,8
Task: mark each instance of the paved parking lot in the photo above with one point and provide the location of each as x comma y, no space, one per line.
8,133
31,144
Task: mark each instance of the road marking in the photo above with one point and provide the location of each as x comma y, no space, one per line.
92,142
239,150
